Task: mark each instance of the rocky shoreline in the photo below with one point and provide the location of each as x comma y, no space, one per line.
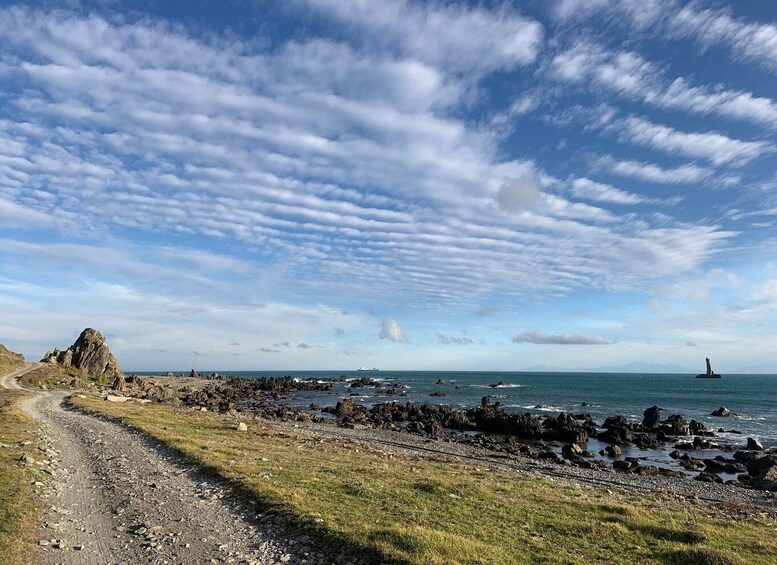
560,439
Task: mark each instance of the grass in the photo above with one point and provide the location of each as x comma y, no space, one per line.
18,504
50,376
382,507
9,361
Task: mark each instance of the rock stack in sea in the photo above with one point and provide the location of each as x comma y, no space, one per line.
90,354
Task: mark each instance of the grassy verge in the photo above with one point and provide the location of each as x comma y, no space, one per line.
17,499
388,508
9,361
69,378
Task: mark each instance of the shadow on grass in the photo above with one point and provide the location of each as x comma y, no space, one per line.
700,556
689,535
291,524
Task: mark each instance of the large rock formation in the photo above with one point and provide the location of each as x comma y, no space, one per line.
89,353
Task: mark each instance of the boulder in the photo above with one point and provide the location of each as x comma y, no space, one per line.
722,412
651,417
571,451
90,354
754,445
117,399
119,383
242,427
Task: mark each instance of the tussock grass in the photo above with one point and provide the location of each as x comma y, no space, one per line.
17,499
387,508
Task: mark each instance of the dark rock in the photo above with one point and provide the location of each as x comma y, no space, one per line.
616,434
571,451
615,422
698,429
754,445
651,417
363,382
438,393
500,383
612,451
622,465
119,383
706,477
549,456
440,382
674,425
723,412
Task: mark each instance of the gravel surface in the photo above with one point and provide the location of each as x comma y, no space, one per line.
681,488
116,497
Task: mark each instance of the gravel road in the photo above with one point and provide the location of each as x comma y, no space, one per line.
116,497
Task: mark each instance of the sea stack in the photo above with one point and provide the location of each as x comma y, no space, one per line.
89,353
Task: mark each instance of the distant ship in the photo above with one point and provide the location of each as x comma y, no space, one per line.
710,374
367,369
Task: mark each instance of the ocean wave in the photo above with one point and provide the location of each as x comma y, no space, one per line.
540,407
497,387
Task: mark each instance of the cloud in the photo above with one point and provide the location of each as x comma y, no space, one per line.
339,332
715,147
452,340
628,74
269,350
600,192
752,41
684,174
541,338
235,344
690,344
389,329
453,36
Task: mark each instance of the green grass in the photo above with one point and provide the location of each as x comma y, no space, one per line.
50,376
18,503
388,508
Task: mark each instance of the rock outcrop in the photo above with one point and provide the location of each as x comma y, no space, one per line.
90,354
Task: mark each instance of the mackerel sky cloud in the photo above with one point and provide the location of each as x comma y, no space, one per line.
229,178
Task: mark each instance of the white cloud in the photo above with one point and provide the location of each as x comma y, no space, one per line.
541,338
389,329
627,73
591,190
715,147
453,36
653,173
752,41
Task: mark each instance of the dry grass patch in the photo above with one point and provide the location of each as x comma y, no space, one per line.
389,508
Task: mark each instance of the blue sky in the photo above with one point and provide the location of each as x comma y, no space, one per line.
326,184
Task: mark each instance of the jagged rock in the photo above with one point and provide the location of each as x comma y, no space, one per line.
723,412
169,374
651,417
119,383
571,451
89,353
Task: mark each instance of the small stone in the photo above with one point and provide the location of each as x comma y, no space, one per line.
242,427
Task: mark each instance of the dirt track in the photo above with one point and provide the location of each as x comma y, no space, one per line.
115,497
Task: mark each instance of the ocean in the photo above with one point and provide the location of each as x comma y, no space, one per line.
752,397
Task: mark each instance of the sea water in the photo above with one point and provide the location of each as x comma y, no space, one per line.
752,397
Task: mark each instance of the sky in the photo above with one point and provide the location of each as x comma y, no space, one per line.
329,184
